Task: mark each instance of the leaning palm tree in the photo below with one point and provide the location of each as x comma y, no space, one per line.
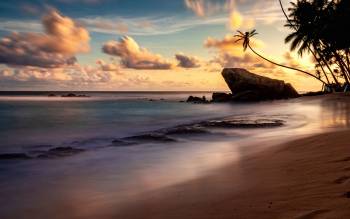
245,38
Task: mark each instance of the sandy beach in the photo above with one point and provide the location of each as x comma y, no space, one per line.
305,178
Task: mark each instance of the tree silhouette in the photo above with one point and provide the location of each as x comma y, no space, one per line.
318,28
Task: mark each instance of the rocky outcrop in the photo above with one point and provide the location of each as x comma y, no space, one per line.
194,99
246,86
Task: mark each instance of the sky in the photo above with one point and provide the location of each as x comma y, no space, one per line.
141,45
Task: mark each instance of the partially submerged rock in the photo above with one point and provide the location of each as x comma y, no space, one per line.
193,99
60,152
144,138
153,137
14,156
246,86
243,123
74,95
186,130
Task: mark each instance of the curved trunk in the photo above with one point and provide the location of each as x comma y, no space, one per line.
284,66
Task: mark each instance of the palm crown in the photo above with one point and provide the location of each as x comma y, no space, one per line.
245,37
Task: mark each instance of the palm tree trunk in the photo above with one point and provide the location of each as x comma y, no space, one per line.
328,67
324,72
312,52
342,66
284,66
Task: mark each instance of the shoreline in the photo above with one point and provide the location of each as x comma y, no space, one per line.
303,178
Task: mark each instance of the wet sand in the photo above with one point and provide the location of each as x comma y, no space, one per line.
304,178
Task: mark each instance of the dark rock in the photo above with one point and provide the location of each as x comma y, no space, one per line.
221,97
246,86
347,194
186,130
247,96
52,95
314,93
69,95
60,152
74,95
151,137
193,99
260,123
121,143
14,156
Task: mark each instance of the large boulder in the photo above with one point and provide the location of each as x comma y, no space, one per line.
246,86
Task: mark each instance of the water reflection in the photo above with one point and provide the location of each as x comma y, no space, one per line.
335,113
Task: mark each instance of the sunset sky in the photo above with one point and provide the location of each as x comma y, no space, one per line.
145,45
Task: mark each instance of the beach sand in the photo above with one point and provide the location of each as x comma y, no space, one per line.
304,178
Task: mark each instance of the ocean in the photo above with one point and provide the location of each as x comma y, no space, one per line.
123,144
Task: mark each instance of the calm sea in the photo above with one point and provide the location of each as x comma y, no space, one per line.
105,178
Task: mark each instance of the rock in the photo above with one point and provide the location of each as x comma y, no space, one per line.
246,86
246,123
186,130
347,194
69,95
193,99
221,97
144,138
60,152
14,156
314,93
51,95
151,137
74,95
121,143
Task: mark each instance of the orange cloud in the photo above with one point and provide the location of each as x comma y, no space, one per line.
133,56
230,54
63,38
63,35
237,20
107,66
229,45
